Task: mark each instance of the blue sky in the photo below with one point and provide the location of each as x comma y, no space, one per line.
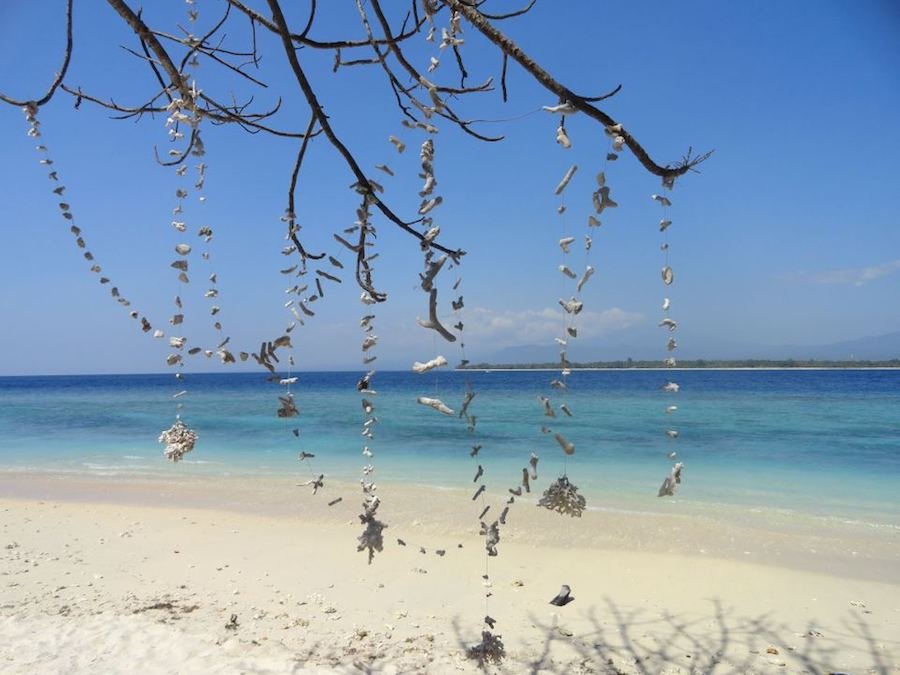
789,235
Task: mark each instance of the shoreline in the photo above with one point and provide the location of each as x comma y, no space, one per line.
829,545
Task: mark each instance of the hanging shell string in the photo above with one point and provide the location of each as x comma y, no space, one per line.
372,537
183,127
59,189
562,496
670,388
179,439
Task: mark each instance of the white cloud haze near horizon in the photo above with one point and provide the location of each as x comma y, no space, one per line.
858,276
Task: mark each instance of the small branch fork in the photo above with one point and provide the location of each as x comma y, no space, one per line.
419,100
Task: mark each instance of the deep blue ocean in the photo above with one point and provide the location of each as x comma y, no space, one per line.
818,442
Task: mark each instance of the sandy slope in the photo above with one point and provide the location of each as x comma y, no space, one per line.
125,587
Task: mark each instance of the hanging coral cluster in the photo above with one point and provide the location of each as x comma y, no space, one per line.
673,478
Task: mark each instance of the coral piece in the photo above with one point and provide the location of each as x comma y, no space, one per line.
588,272
548,408
565,179
572,306
564,597
562,137
372,537
436,362
668,487
533,462
567,446
562,497
288,408
491,534
435,403
489,650
179,440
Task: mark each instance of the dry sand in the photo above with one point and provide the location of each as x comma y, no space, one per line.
109,576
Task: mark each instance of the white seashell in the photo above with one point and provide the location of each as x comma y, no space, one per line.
666,304
671,388
400,145
668,323
664,225
663,200
588,272
182,249
563,138
572,306
569,273
667,275
565,242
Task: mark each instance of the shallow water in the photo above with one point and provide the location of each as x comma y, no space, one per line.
823,445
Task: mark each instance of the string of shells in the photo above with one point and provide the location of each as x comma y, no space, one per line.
372,537
670,389
58,189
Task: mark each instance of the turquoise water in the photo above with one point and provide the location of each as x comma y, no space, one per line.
820,442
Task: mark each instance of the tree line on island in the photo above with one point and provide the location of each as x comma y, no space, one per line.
624,364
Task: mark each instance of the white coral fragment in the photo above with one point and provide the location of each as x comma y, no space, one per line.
565,179
436,362
179,440
435,403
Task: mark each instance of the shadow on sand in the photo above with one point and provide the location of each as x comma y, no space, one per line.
650,642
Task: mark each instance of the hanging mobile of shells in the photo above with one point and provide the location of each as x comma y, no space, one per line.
372,537
562,495
34,131
673,478
183,114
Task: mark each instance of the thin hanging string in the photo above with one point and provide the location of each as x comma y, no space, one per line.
567,317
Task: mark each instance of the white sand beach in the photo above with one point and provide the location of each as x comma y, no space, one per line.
144,576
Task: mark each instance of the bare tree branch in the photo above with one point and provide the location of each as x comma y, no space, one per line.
478,20
61,75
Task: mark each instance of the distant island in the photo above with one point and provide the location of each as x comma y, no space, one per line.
692,363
